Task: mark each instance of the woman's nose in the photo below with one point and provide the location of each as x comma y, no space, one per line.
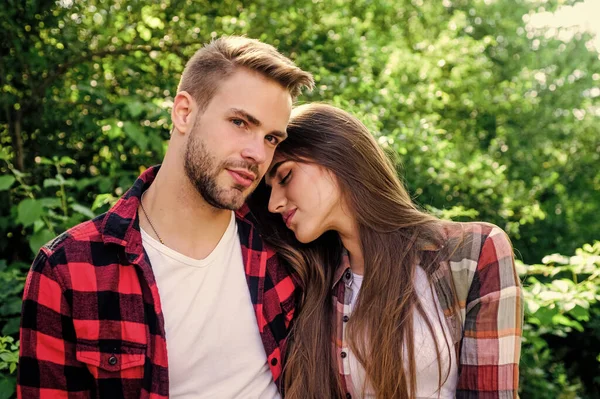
276,201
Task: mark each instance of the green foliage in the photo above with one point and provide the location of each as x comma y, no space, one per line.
9,356
489,118
561,296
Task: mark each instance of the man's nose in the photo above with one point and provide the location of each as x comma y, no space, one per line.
255,150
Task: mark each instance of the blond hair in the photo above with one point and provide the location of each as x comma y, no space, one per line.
221,57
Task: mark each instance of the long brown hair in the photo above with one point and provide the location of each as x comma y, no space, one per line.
394,235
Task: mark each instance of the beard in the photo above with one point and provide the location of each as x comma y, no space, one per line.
203,169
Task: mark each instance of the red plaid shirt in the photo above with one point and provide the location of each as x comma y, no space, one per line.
92,324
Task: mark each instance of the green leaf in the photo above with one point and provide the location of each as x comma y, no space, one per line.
83,210
546,316
563,285
29,210
135,108
144,32
46,161
11,307
580,313
40,238
6,181
103,199
85,182
51,183
11,327
568,306
561,319
8,357
532,306
50,202
64,160
577,325
136,133
7,387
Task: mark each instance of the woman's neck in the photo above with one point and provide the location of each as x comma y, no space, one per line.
351,241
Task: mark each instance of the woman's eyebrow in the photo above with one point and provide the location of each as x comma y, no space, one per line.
273,171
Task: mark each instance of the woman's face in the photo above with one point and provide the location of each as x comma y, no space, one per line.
306,195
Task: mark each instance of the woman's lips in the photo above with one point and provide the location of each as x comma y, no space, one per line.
287,217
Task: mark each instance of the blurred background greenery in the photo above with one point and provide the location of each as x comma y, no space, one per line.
492,116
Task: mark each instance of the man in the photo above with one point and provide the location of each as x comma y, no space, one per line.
160,297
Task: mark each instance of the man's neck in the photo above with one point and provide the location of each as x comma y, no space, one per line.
180,217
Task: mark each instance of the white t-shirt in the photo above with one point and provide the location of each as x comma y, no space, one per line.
213,343
426,357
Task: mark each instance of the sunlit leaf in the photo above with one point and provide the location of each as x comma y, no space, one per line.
29,210
6,181
83,210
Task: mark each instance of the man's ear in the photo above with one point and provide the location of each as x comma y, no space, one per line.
183,112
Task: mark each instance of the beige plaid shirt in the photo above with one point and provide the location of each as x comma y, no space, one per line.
481,295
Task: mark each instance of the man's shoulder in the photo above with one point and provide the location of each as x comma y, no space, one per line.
74,239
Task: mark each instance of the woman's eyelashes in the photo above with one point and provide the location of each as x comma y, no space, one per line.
286,178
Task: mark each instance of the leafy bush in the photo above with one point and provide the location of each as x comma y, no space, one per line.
561,298
9,356
491,119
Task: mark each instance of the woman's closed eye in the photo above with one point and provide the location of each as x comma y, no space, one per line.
286,178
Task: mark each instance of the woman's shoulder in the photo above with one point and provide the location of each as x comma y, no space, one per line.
478,253
475,243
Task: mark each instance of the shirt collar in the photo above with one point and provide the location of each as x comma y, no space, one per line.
122,219
343,271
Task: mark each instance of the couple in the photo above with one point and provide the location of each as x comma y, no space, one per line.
326,282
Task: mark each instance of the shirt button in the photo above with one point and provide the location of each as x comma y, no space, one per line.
343,355
345,318
274,362
112,360
348,275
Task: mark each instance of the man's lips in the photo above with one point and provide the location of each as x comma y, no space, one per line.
287,217
242,177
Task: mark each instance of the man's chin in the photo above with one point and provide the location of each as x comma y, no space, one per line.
231,197
234,199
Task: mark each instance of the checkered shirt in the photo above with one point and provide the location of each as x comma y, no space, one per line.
92,324
481,296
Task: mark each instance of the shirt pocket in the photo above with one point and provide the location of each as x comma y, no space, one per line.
125,361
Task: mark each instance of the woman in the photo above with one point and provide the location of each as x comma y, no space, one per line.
396,303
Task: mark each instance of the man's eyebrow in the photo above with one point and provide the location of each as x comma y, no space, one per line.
245,115
253,120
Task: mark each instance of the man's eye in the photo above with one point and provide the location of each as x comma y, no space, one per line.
286,178
272,139
238,122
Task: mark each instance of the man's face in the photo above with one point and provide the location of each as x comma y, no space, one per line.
233,141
